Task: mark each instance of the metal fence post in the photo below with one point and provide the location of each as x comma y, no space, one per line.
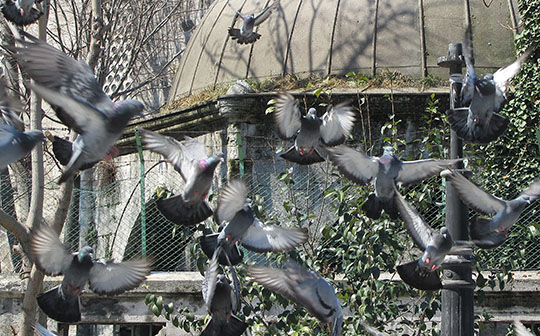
143,204
457,313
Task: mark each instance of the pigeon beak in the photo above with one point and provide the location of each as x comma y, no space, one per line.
21,11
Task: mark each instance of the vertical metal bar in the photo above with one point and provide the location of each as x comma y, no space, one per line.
457,315
143,204
240,152
374,41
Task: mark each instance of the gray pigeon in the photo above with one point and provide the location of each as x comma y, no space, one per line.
422,274
305,288
386,170
231,254
309,130
53,258
245,34
8,113
479,121
42,331
189,158
73,91
222,303
240,225
15,145
488,233
21,12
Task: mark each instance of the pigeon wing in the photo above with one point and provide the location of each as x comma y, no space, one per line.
420,232
171,149
337,124
113,278
50,255
210,279
473,196
502,76
416,171
521,330
231,200
262,237
287,116
42,331
467,90
6,108
265,14
533,191
7,134
356,165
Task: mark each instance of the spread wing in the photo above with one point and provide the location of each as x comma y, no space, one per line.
262,237
421,233
265,14
287,116
505,75
337,124
416,171
112,278
231,200
50,255
533,191
473,196
8,113
356,165
467,91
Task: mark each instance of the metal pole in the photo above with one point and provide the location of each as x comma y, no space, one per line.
143,204
457,313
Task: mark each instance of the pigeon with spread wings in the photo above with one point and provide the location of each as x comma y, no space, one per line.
310,130
53,258
246,33
73,91
190,160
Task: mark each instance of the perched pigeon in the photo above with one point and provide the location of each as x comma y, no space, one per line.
231,255
15,145
53,258
422,274
78,100
488,233
331,129
234,212
245,34
8,114
386,170
222,302
21,12
42,331
479,121
189,158
305,288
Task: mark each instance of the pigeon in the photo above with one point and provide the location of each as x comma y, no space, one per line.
240,225
231,255
189,158
489,233
422,274
331,129
21,12
42,331
305,288
245,34
73,91
14,145
53,258
8,114
221,301
386,171
521,330
479,121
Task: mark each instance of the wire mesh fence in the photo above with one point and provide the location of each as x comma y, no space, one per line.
120,219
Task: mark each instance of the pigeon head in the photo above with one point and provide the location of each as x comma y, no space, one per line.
86,254
24,6
209,164
485,87
129,108
388,150
436,251
311,113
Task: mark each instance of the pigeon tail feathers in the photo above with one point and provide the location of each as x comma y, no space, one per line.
292,155
233,327
373,207
62,308
482,237
410,274
209,245
11,13
179,212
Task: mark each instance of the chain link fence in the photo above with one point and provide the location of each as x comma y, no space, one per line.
120,219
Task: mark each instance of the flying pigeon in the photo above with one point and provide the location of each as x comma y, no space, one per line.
422,274
42,331
189,158
73,91
331,129
245,34
53,258
485,232
521,330
221,301
21,12
231,255
305,288
479,121
8,114
240,225
15,145
386,171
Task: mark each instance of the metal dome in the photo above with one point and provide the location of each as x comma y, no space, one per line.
336,37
